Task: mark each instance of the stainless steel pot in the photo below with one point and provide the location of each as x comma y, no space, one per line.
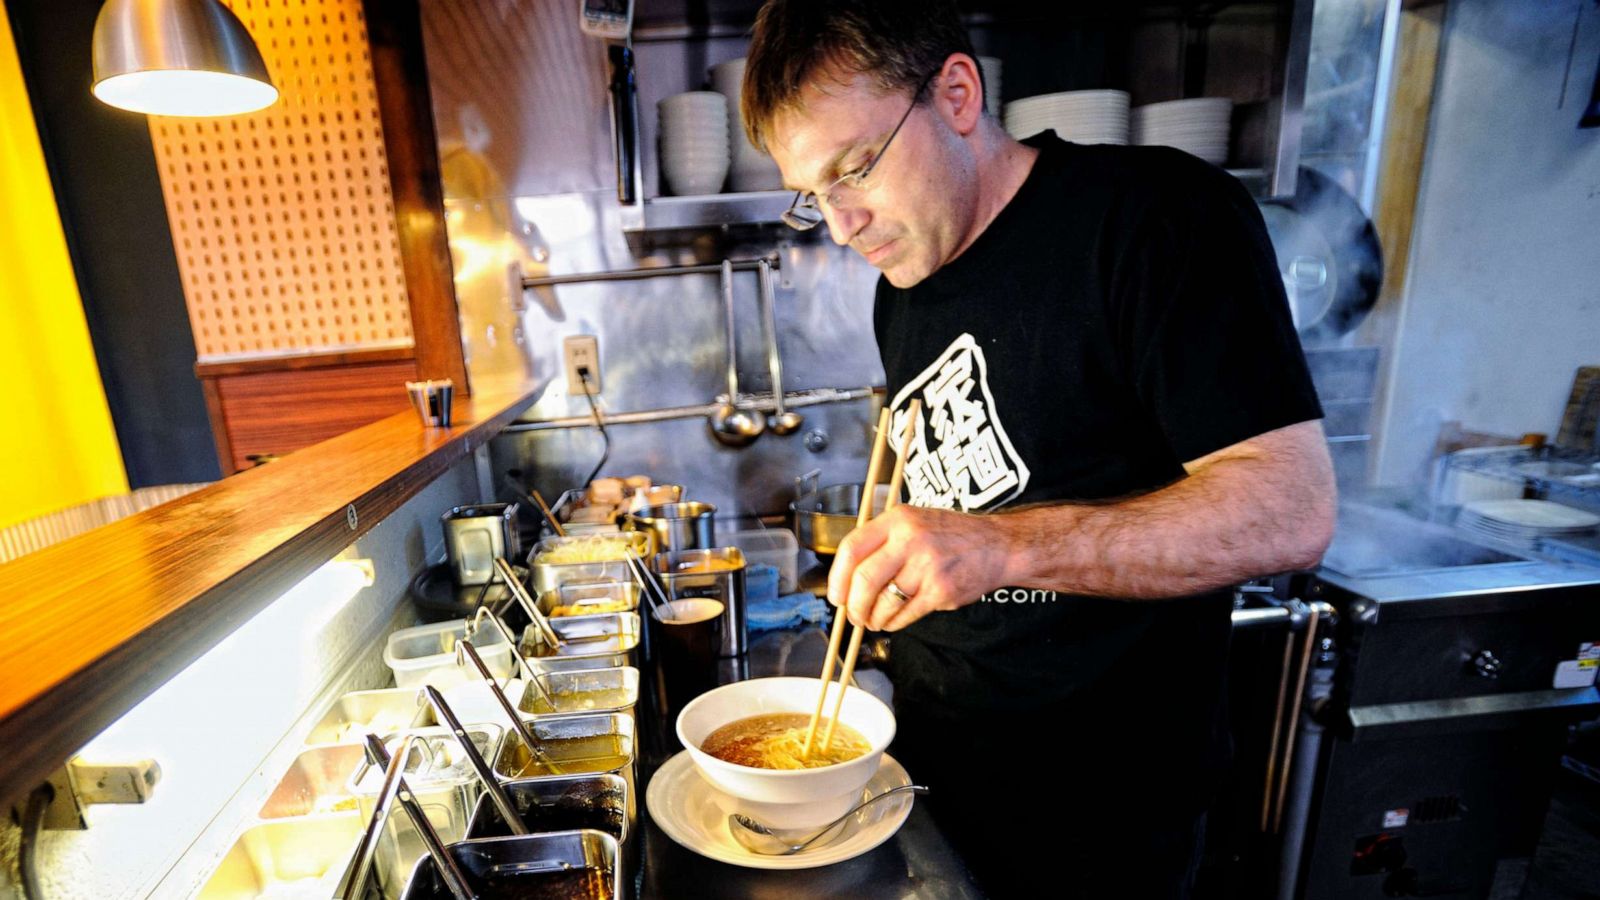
824,516
677,526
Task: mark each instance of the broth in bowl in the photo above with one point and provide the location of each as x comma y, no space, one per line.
800,797
776,741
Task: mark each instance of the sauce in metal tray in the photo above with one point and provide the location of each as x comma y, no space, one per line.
572,756
576,701
569,884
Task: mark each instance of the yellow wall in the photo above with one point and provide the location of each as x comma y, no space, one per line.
57,446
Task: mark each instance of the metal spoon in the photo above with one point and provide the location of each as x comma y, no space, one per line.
768,841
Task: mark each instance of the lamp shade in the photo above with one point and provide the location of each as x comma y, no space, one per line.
178,58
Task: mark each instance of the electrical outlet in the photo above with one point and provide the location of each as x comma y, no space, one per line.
582,351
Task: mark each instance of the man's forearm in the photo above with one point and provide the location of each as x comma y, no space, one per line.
1233,519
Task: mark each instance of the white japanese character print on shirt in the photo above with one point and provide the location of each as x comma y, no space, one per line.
960,455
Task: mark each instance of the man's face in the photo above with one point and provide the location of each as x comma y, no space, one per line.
908,219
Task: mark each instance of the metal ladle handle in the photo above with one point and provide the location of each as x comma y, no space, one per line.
652,589
497,794
353,885
770,323
731,323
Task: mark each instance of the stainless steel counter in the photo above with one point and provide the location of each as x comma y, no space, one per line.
917,862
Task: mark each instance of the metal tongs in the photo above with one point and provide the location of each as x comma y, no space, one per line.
485,614
523,731
528,605
491,785
353,885
649,586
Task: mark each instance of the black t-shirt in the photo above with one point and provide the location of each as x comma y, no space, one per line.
1122,315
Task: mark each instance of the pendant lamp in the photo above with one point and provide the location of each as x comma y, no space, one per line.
178,58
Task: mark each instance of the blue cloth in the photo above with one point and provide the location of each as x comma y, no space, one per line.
787,611
760,583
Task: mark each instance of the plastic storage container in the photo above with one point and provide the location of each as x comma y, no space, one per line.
426,654
770,547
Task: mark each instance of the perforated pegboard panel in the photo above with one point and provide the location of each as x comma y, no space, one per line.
282,220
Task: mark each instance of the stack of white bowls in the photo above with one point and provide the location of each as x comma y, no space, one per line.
990,66
1198,126
694,142
1523,523
1083,117
752,170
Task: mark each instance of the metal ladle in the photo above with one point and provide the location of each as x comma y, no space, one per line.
781,421
758,837
730,425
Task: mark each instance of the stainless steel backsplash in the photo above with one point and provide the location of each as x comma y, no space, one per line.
520,105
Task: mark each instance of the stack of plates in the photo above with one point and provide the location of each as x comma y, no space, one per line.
1522,523
695,156
1083,117
990,67
752,170
1198,126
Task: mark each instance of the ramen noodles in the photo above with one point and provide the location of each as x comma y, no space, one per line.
776,741
591,549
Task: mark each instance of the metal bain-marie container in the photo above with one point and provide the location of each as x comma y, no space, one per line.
577,745
299,857
557,561
677,526
589,642
714,574
560,865
443,782
558,803
582,692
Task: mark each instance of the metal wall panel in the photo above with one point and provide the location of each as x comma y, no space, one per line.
525,147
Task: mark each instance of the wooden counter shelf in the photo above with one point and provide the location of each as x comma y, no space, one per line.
91,626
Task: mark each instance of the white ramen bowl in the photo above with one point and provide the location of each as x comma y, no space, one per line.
787,798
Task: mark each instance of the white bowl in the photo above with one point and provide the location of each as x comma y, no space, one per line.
695,103
691,123
695,184
697,147
703,168
787,798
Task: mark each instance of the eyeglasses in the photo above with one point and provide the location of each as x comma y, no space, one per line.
805,212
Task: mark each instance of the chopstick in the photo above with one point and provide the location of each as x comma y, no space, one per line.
880,442
895,481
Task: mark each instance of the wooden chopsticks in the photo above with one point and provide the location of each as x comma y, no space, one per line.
864,515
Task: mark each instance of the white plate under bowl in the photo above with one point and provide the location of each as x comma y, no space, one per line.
694,814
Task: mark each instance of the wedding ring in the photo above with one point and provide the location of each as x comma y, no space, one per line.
894,591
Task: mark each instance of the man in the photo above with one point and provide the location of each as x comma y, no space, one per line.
1117,426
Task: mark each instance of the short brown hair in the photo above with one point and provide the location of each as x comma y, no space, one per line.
898,42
